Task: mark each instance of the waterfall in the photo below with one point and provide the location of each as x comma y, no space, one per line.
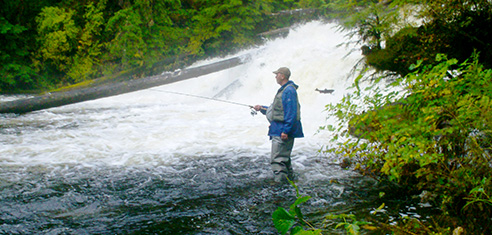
153,161
129,128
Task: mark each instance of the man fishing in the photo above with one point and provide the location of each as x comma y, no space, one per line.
284,115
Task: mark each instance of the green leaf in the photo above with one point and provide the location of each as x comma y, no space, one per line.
294,207
352,229
299,231
283,220
301,200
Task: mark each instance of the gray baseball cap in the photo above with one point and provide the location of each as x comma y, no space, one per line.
283,70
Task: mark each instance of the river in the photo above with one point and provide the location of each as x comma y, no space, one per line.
154,162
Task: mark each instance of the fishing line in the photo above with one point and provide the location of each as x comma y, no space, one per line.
253,111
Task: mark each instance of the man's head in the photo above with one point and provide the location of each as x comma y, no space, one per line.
284,71
282,75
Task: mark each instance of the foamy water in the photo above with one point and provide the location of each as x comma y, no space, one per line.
156,162
155,127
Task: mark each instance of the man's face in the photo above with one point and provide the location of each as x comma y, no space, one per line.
280,77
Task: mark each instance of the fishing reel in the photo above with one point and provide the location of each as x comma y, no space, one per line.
253,111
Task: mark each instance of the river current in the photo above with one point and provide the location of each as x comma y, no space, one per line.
154,162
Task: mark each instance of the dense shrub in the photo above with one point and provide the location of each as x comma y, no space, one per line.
434,135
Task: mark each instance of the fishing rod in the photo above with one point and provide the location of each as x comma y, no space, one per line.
253,111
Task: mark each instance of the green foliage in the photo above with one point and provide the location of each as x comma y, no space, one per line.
430,129
479,197
18,41
232,19
284,220
89,47
403,49
456,28
350,223
12,71
143,32
464,26
311,3
435,135
370,21
51,42
57,34
128,44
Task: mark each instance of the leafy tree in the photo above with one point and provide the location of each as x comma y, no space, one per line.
57,38
11,55
456,28
371,21
89,47
434,135
55,42
464,26
18,33
144,32
311,3
128,45
232,20
165,36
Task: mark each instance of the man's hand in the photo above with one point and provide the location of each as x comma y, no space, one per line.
284,136
258,107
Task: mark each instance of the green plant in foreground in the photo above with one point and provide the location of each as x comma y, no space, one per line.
479,197
350,223
284,219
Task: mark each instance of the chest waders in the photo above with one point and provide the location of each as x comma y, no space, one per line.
281,149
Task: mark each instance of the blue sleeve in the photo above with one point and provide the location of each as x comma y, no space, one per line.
263,110
289,102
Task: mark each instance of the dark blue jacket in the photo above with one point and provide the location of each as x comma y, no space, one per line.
291,125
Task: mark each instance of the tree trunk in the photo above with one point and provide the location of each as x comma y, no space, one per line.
75,96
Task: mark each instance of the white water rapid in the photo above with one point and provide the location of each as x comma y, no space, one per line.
155,128
157,162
